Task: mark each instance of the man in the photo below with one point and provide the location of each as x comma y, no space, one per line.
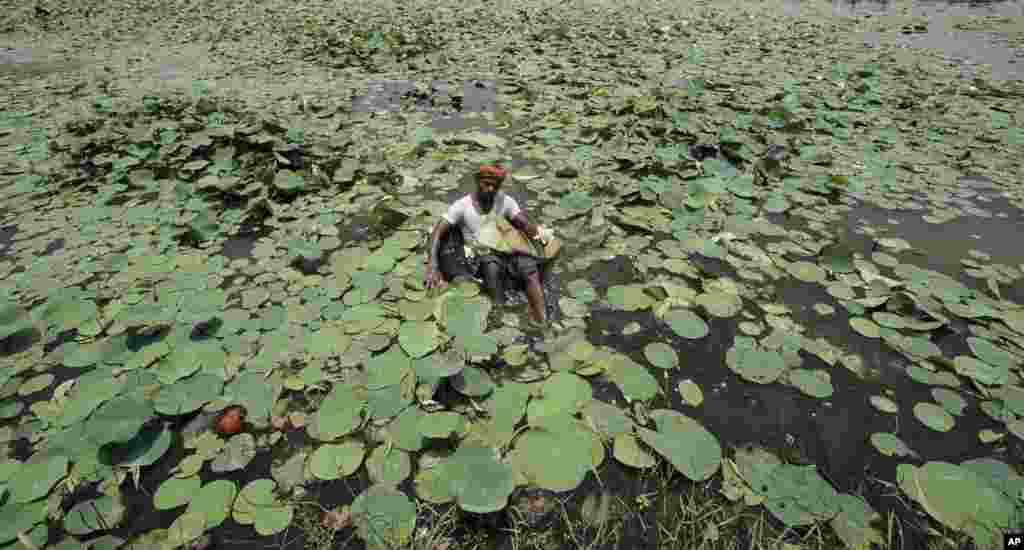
470,214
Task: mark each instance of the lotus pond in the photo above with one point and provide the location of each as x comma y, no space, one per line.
789,310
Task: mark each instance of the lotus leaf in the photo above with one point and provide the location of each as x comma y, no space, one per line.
67,312
807,272
18,518
634,380
335,461
440,364
185,529
691,393
87,517
418,338
434,484
341,412
798,495
505,407
11,409
239,451
254,392
175,492
145,448
289,474
629,297
890,445
256,505
992,354
884,404
982,372
815,383
186,395
685,443
480,483
442,425
384,517
388,466
607,420
686,323
720,304
950,400
214,501
13,318
853,524
864,327
960,499
628,451
661,355
934,416
574,448
287,181
404,430
998,475
36,477
473,382
35,384
90,390
561,396
755,365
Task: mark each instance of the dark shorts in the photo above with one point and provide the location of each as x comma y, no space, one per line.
453,261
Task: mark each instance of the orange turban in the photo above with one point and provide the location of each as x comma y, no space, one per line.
493,170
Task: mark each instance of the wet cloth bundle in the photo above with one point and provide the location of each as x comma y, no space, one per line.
497,234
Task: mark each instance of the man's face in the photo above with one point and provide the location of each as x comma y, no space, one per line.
487,187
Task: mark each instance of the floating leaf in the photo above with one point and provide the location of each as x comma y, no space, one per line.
628,451
256,505
480,482
890,445
807,272
755,365
815,383
864,327
239,451
573,447
36,477
388,466
720,304
175,492
473,382
661,355
686,323
336,461
418,338
384,517
90,516
884,404
691,393
684,442
934,416
214,501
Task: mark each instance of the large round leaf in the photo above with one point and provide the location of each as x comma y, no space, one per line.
686,323
627,450
934,416
36,477
534,450
473,382
480,482
175,492
755,365
384,517
798,495
561,395
256,505
90,516
661,355
341,412
239,451
119,419
418,338
336,461
388,466
214,501
684,442
188,394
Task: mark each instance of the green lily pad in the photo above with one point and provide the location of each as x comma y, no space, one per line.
633,379
950,400
418,338
627,450
980,371
36,477
214,501
661,355
175,492
798,495
685,443
35,384
384,517
335,461
755,365
388,466
864,327
256,505
807,272
934,416
186,395
561,396
473,382
720,304
992,354
815,383
118,420
574,448
890,445
90,516
629,297
480,482
442,425
691,393
884,404
16,518
145,448
237,454
686,323
341,412
854,524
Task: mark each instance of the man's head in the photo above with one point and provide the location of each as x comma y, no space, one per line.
488,181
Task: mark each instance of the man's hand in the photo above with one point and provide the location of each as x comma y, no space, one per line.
433,277
544,234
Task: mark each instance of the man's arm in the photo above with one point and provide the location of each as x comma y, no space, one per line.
440,229
520,222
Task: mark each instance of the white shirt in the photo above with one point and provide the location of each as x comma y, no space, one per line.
464,213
